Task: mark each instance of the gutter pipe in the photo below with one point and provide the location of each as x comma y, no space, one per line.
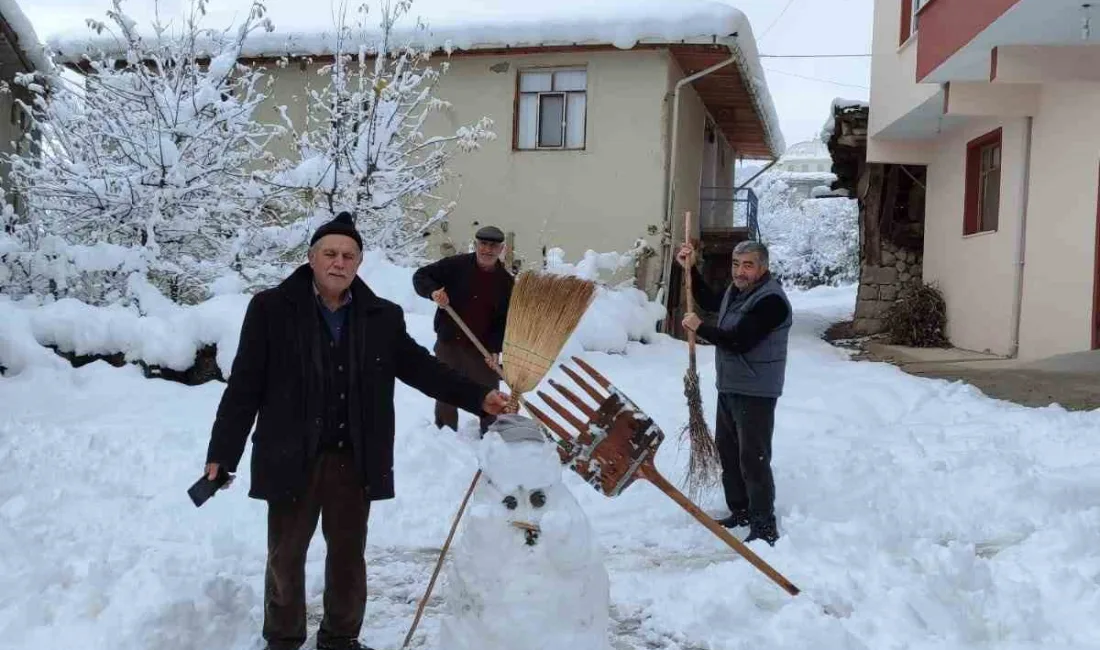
1021,241
670,173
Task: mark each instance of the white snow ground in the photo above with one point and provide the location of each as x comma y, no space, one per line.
925,514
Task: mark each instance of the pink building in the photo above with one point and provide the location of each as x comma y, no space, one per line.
999,102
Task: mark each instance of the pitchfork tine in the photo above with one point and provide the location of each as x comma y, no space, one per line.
572,397
549,422
592,392
562,411
600,379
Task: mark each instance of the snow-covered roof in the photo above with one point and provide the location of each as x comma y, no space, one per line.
308,28
28,43
808,150
840,106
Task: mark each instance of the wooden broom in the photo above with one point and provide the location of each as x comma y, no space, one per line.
543,313
703,462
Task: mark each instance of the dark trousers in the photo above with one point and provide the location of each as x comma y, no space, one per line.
335,495
744,441
466,359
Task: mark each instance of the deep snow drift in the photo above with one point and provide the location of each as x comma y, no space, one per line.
926,515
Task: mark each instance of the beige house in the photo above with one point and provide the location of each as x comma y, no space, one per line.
20,53
612,120
998,101
600,143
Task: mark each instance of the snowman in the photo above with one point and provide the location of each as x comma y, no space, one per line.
526,573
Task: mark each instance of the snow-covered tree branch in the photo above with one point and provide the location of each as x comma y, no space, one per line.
811,241
150,150
362,145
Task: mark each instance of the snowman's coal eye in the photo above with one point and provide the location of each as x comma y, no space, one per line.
538,498
510,502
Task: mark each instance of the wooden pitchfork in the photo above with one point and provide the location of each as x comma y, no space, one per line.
615,445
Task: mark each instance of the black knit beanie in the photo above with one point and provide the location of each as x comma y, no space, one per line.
342,224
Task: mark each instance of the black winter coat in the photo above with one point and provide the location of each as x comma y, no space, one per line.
277,375
455,273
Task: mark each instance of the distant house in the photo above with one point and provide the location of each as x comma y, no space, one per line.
612,121
806,167
20,53
995,104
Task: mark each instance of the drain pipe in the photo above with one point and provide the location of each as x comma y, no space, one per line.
1021,241
670,174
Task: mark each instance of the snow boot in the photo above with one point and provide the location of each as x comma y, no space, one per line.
342,644
736,519
763,528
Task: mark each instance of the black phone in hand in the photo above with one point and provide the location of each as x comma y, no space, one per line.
204,488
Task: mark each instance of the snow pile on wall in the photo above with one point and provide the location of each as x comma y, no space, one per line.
165,334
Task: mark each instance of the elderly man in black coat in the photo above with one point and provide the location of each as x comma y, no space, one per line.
316,363
478,288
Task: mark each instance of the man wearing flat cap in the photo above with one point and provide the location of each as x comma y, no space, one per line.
315,369
478,288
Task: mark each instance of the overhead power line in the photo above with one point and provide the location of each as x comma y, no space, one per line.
777,18
814,56
828,81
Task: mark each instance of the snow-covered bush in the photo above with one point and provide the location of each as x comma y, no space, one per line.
362,146
146,155
811,241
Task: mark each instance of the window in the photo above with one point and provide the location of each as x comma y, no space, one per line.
909,17
551,109
983,184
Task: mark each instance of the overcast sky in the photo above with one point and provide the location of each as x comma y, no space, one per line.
803,89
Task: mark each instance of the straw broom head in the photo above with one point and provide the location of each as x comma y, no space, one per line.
544,311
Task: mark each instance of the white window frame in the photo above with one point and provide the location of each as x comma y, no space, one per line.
915,6
539,95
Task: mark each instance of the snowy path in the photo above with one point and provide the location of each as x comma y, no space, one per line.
930,516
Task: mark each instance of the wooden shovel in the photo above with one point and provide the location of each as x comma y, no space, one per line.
616,444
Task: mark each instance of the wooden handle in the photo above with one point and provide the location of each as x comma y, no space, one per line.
650,472
687,285
470,335
439,562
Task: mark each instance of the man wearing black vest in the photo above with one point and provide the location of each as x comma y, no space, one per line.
478,288
315,368
750,337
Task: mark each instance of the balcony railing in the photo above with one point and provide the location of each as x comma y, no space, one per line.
729,208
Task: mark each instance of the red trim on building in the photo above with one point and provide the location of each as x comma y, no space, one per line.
906,21
1096,279
946,26
971,211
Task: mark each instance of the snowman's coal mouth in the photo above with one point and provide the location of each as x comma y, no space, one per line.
530,531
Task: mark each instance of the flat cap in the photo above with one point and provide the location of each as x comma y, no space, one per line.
490,233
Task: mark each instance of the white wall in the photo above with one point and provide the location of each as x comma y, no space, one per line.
1062,211
975,272
894,88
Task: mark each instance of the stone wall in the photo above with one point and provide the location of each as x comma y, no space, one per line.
891,217
881,284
